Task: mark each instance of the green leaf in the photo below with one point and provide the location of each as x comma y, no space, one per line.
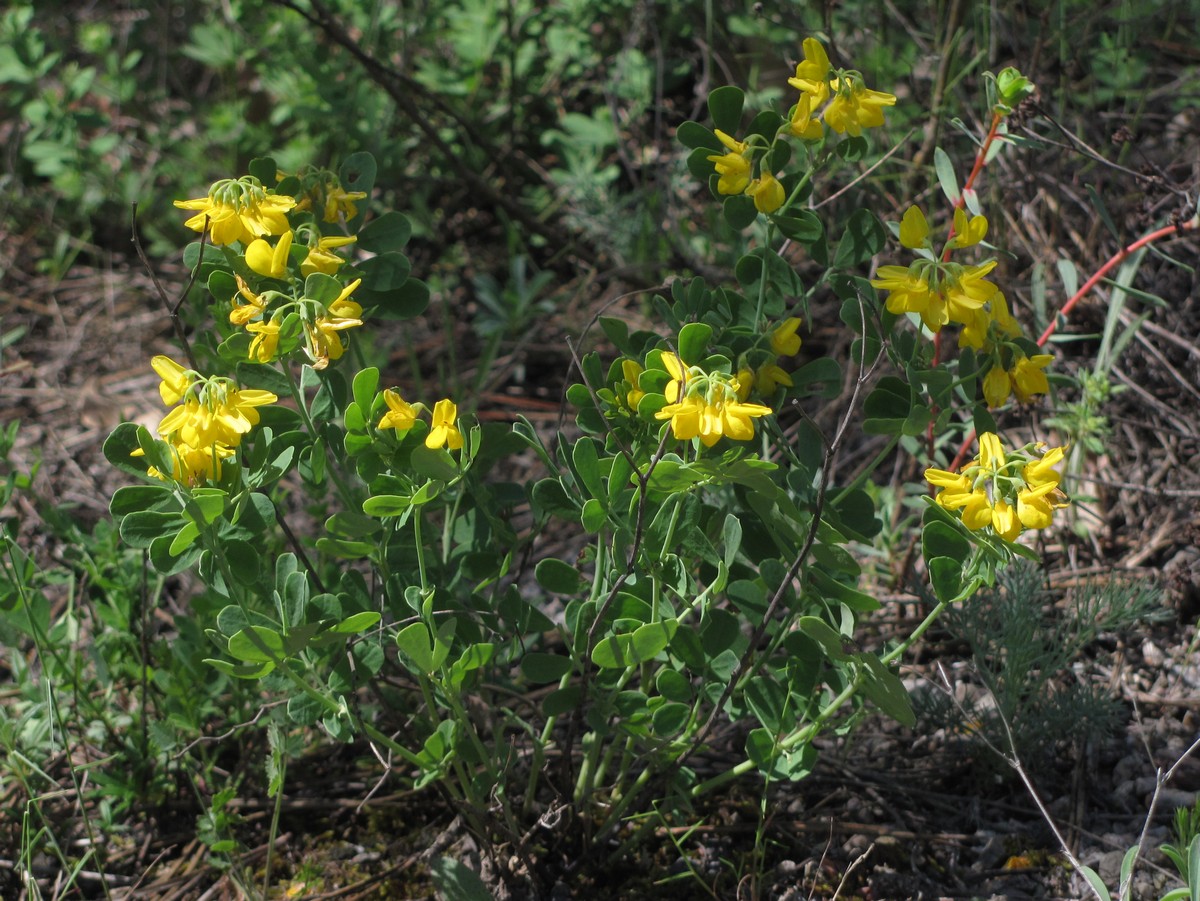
384,233
405,302
940,539
767,699
740,211
670,719
946,176
458,882
563,700
184,539
138,530
305,710
414,643
257,644
804,226
829,640
558,577
357,173
593,516
241,670
697,137
358,622
864,237
945,574
586,464
364,388
886,691
693,342
264,169
244,560
386,272
629,649
725,107
135,498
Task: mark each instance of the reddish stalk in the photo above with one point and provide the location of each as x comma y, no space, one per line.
1087,286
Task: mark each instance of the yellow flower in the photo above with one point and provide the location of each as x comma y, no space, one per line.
784,340
856,107
1035,506
674,389
696,416
733,167
400,415
267,260
803,124
1041,471
443,432
254,306
968,292
968,232
238,210
996,386
737,420
991,494
812,74
344,308
907,291
914,229
176,381
192,466
769,378
266,340
321,259
631,371
1028,379
339,201
767,192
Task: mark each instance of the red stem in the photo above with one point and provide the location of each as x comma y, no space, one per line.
1116,258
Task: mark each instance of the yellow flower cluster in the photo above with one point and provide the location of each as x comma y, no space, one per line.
735,168
768,374
941,292
241,211
706,405
209,422
1006,492
838,96
443,428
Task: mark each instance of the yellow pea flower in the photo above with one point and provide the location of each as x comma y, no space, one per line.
266,340
784,340
400,414
733,167
914,229
803,124
176,380
267,260
812,73
322,259
996,386
238,210
631,371
253,308
767,192
443,431
1028,379
339,202
968,232
856,107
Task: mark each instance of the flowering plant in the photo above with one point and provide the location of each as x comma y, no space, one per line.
711,574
